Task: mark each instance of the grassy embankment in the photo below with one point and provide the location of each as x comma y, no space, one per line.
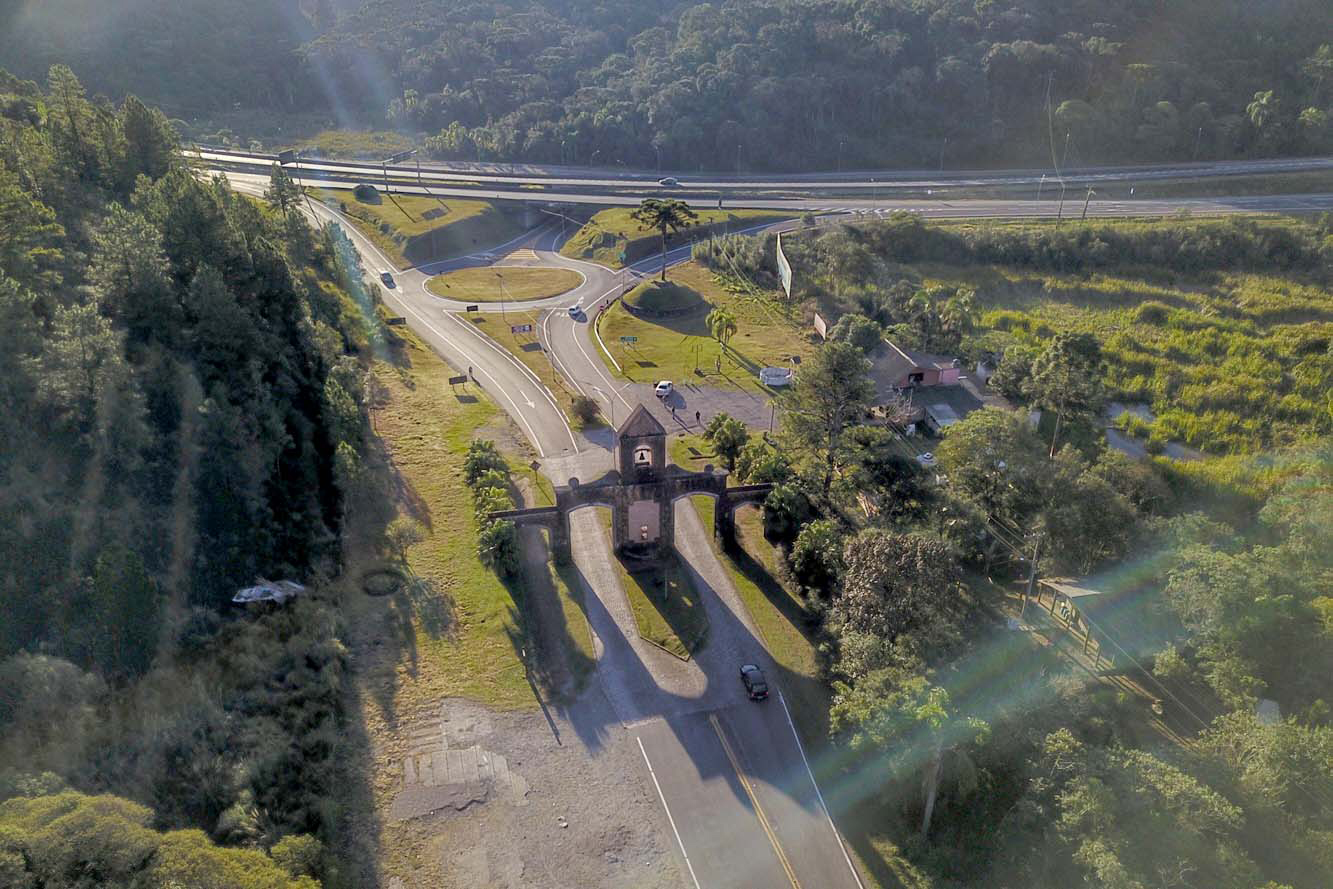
610,231
455,628
664,601
411,229
480,284
768,332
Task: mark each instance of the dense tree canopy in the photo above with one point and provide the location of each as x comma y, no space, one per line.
748,84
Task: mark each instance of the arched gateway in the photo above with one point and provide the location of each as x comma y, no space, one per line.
641,492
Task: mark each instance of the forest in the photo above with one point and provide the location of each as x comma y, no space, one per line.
180,403
743,85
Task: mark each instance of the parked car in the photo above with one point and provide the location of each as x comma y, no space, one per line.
755,684
668,182
663,388
387,279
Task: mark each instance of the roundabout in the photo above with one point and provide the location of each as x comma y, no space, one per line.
487,284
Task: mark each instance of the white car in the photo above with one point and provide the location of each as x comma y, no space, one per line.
663,388
926,459
668,182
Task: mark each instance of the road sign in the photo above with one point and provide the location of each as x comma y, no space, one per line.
470,308
286,157
534,466
399,157
627,340
454,381
520,328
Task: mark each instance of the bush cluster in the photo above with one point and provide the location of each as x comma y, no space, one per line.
487,474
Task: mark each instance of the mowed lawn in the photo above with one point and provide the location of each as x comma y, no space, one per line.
768,333
413,229
608,232
483,283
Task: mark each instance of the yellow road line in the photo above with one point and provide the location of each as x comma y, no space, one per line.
754,801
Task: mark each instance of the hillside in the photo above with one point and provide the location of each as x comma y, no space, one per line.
749,85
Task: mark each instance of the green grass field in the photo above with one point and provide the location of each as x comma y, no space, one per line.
414,228
667,348
520,283
1228,362
610,231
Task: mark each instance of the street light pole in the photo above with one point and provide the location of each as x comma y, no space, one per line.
1040,183
502,297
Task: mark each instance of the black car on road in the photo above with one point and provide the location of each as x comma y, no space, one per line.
756,686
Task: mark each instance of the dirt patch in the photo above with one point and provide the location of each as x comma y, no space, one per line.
475,798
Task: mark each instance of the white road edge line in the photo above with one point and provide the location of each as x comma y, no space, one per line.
819,795
667,808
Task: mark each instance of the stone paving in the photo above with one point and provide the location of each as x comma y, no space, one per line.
446,768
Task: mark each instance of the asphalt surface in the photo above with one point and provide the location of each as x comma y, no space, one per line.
741,800
942,208
864,180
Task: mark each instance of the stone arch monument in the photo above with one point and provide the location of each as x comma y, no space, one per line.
641,491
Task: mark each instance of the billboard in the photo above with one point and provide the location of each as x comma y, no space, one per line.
784,268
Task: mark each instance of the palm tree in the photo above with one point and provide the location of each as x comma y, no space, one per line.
721,324
664,215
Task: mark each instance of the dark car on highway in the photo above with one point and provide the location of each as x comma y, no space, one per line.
755,684
387,279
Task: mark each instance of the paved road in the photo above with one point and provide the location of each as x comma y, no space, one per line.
942,208
864,180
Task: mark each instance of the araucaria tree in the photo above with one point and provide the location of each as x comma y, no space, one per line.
831,393
664,215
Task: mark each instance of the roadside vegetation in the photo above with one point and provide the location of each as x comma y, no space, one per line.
766,331
1220,328
414,229
611,232
481,284
941,721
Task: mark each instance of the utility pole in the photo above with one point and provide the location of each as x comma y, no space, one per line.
942,147
1060,211
1087,201
1040,183
502,297
1197,139
1064,160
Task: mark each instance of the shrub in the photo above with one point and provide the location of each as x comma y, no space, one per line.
482,455
816,557
497,546
585,409
786,509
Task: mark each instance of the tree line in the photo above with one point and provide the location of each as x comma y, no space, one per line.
743,84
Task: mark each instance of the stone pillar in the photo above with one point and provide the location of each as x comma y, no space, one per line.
619,520
666,541
724,520
560,539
